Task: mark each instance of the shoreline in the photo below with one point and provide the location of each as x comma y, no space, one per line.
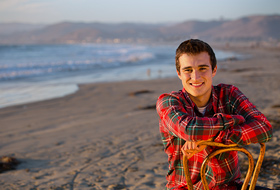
105,135
37,88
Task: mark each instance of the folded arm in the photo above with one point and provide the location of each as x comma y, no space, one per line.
255,129
180,124
244,125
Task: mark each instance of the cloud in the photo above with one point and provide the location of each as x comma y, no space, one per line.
27,10
23,6
9,5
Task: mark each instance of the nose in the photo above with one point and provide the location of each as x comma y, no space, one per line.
195,75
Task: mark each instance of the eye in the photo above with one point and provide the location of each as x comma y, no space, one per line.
187,70
203,69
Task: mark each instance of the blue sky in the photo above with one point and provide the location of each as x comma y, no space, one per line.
145,11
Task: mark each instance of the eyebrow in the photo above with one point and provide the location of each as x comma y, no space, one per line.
185,68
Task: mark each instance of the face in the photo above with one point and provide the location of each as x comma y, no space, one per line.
196,75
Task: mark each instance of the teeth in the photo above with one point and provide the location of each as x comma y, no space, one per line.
197,84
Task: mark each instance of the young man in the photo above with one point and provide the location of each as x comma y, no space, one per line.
201,111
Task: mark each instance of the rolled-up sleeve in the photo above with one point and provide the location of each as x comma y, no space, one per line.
255,129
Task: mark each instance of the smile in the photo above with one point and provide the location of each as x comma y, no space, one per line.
197,84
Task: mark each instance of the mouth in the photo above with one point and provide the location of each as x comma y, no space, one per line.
196,85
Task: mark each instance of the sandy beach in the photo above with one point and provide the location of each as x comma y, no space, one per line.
105,136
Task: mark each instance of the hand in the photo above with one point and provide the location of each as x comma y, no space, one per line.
191,147
230,120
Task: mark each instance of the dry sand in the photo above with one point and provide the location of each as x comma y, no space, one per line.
105,136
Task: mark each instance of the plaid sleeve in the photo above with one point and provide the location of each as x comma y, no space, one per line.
174,117
256,128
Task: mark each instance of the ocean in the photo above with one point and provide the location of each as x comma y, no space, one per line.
30,73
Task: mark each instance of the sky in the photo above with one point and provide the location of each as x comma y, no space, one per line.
144,11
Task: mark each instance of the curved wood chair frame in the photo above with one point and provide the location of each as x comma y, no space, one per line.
227,148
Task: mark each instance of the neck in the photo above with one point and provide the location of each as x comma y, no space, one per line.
201,101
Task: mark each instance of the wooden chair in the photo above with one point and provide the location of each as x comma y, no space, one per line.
225,148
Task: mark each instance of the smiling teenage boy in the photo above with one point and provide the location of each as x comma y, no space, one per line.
201,111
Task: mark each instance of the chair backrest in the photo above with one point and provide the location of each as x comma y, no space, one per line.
226,148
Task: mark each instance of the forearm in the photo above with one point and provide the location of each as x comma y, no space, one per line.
255,129
180,124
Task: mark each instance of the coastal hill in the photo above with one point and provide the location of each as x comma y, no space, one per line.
250,28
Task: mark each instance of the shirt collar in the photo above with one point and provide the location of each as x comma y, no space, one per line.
189,100
212,103
214,99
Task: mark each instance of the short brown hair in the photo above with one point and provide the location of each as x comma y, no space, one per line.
194,47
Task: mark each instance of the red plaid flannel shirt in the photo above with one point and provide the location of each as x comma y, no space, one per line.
229,118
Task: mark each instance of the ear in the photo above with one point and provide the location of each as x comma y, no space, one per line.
214,71
179,75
